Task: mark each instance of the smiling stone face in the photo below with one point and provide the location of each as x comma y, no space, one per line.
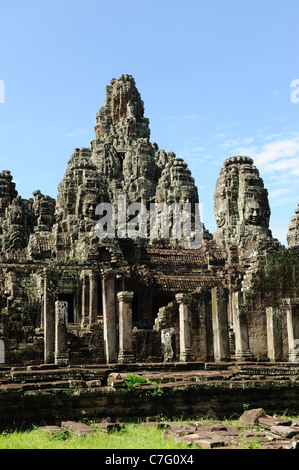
241,204
220,209
88,207
252,213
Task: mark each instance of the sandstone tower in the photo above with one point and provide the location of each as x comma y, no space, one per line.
293,233
241,205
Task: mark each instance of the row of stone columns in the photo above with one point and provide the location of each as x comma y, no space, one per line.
56,314
120,350
240,326
221,325
274,330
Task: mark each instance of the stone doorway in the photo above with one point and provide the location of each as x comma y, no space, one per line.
69,298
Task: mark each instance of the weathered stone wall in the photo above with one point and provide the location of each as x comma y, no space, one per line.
146,345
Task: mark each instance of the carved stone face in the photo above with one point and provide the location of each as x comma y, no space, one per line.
88,208
220,210
220,218
252,213
17,215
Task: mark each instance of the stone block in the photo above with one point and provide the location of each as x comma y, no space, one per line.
251,417
269,422
285,431
208,443
78,428
51,429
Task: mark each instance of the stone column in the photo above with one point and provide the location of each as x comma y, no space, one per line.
125,354
186,349
292,312
50,296
240,325
274,333
93,298
61,350
85,299
220,324
109,318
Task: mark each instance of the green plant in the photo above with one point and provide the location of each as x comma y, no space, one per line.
135,381
246,406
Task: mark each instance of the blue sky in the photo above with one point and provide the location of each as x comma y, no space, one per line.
215,77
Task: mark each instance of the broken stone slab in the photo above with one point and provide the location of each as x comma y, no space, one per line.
93,383
251,417
277,445
215,428
79,428
269,422
285,431
117,380
51,429
208,443
189,438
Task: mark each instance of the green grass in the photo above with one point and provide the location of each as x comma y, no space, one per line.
132,436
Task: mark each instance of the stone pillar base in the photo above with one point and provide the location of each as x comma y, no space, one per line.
186,356
244,355
126,357
62,359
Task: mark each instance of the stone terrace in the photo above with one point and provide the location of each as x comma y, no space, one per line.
48,394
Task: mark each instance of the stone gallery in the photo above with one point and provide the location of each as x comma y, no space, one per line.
68,296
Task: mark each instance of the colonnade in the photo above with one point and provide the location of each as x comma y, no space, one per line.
118,342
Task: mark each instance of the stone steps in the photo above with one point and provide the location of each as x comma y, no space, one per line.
51,393
230,376
58,374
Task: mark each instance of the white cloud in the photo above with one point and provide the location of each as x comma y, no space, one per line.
278,192
279,156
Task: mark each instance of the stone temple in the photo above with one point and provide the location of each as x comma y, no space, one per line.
69,297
